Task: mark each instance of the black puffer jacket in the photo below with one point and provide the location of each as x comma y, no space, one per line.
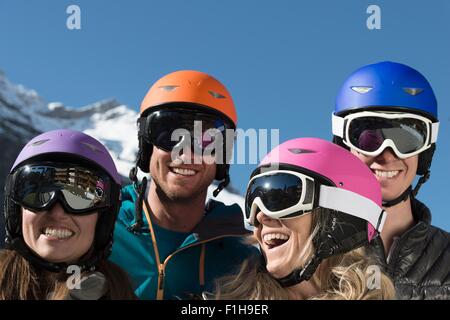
419,263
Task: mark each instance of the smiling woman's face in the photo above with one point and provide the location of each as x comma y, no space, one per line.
283,242
57,236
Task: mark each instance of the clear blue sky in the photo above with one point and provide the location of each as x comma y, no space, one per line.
283,61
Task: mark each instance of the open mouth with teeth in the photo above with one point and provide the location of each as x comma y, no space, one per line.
182,171
273,240
57,233
386,174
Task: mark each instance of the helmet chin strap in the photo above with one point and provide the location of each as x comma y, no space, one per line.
140,188
421,181
301,274
19,245
408,192
403,197
221,185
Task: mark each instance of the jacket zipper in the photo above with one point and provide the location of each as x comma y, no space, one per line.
162,274
162,266
161,277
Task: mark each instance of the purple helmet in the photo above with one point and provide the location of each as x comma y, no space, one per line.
69,143
77,148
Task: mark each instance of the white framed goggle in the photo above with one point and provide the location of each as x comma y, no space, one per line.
264,189
371,132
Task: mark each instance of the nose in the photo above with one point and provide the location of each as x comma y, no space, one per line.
57,211
192,156
266,220
386,156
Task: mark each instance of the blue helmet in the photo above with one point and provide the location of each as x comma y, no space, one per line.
389,86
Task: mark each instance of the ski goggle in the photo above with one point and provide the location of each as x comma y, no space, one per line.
80,190
168,128
370,133
284,194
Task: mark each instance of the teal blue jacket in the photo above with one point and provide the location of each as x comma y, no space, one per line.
213,249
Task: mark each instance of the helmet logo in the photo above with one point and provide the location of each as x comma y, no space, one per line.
413,91
168,88
361,90
301,151
40,142
216,95
92,147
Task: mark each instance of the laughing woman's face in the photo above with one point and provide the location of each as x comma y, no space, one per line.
283,242
57,236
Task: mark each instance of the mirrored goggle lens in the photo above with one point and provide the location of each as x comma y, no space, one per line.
168,128
37,187
369,133
277,192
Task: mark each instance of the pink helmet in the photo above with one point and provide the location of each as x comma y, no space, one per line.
328,161
342,183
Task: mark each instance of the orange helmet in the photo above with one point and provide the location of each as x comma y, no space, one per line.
188,89
181,89
194,88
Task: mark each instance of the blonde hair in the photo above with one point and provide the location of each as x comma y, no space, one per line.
341,277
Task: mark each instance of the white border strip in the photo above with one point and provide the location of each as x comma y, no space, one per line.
434,131
338,125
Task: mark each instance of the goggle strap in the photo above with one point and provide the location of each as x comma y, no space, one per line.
338,125
354,204
142,126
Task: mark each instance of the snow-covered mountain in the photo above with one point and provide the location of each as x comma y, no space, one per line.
24,114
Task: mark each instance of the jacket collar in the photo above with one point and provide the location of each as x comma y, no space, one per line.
409,242
420,212
220,220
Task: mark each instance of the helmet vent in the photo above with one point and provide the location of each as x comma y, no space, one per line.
413,91
92,147
168,88
301,151
362,90
40,142
216,95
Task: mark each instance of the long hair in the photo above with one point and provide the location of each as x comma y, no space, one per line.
20,280
341,277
